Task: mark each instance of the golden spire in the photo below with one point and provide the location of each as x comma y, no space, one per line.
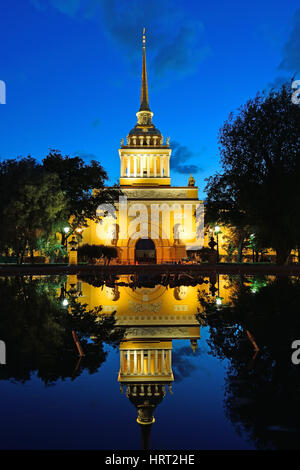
144,94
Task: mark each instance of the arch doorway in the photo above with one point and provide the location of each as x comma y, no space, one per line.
145,251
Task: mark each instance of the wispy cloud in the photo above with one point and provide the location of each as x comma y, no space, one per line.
85,155
291,49
180,154
176,39
277,83
289,65
182,365
96,123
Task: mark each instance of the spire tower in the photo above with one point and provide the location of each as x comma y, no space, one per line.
145,157
144,91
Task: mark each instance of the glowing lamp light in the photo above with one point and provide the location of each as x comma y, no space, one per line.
65,303
218,301
66,229
217,229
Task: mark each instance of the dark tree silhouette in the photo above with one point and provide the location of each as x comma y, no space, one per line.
37,330
258,190
262,389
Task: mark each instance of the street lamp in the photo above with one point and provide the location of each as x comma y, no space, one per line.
64,238
252,244
217,231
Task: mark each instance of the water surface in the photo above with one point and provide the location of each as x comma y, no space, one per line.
179,348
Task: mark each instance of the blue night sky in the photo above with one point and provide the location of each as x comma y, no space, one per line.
72,69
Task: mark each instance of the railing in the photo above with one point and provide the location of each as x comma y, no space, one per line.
145,362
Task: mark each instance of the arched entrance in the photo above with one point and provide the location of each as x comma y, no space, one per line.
145,251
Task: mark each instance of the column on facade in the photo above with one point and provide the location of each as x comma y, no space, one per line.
122,361
169,361
161,165
135,362
168,166
156,362
128,166
142,362
148,165
141,166
155,165
149,362
163,368
135,166
128,361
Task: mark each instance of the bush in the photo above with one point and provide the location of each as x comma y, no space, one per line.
207,255
90,253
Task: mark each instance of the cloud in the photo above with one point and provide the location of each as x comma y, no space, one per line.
180,154
38,4
180,53
175,38
289,66
85,155
67,7
96,123
291,49
276,83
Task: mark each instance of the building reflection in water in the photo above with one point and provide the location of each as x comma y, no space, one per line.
152,316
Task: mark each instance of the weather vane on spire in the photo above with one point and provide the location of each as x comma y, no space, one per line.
144,37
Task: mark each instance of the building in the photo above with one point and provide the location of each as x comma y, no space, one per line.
166,225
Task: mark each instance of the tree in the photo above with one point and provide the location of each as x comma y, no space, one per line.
37,329
31,204
261,388
258,191
51,247
83,185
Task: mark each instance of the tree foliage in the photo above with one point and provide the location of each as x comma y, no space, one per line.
31,204
261,389
38,200
258,188
83,185
37,330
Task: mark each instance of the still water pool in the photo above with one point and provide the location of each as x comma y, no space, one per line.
175,363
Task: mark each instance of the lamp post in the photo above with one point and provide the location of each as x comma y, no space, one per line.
217,231
252,244
66,231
